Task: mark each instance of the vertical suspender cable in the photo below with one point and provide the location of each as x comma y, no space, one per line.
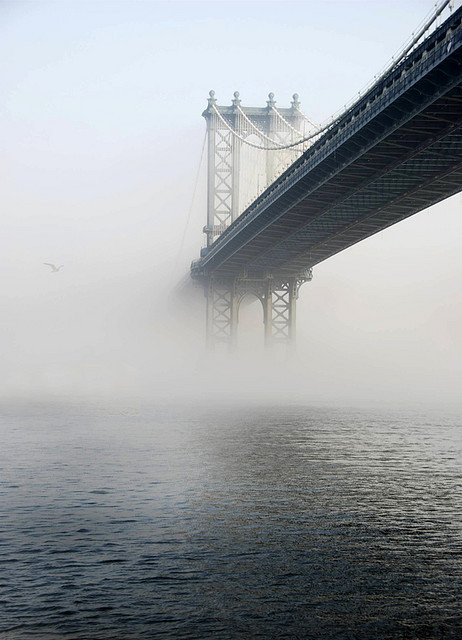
193,197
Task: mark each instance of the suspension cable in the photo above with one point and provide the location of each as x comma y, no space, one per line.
304,116
254,126
278,146
399,56
275,142
281,117
438,11
191,204
308,119
237,135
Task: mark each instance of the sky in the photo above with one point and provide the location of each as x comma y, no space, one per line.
102,133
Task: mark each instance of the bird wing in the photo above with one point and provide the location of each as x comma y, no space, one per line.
49,264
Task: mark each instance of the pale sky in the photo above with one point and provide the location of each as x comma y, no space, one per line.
101,125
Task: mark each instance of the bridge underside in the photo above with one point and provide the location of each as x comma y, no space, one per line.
411,169
395,153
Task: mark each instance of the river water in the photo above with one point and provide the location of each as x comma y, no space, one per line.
222,523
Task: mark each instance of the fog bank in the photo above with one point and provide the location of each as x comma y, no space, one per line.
102,130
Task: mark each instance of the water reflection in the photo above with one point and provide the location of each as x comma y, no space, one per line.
224,523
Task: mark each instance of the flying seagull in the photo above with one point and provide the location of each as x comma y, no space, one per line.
53,266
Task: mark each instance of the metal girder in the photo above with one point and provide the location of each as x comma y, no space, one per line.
224,155
221,312
278,296
400,183
382,156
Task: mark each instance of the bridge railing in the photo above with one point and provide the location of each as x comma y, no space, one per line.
417,37
443,41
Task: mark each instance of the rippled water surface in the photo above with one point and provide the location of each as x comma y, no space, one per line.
222,523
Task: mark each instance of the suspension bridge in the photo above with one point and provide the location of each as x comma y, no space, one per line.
285,194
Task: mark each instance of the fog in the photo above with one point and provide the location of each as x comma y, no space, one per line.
102,133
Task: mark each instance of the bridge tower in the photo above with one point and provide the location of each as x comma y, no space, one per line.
393,152
248,148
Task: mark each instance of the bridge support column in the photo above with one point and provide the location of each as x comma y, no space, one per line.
280,304
277,295
280,312
268,311
222,309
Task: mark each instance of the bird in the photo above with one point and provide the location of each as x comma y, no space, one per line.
54,268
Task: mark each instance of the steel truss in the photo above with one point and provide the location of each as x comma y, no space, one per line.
391,154
278,297
226,166
396,151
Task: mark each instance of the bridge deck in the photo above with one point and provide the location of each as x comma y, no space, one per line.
397,151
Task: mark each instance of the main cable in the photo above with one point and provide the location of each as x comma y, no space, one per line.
277,146
288,125
438,11
254,126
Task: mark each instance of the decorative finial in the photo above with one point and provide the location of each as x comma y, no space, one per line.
271,102
295,104
236,101
212,100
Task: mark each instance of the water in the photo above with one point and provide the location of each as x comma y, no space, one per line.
299,522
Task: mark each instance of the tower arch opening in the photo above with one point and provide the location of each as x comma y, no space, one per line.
250,329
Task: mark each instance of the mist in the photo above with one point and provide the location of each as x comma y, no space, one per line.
103,132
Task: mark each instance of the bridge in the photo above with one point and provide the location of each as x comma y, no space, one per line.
318,190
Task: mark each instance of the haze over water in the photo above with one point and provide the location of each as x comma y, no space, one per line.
294,522
147,490
102,133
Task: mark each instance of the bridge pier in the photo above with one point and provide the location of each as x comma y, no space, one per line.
278,296
222,312
305,196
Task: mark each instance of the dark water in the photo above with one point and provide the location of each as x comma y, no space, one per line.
259,523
